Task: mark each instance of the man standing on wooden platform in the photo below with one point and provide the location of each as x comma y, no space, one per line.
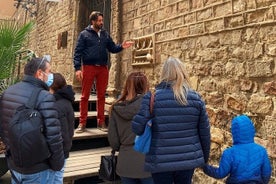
91,63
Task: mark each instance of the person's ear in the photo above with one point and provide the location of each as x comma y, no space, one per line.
39,74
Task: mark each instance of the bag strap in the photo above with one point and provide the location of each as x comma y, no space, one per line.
151,102
34,95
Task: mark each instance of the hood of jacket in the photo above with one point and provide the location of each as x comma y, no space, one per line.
65,92
243,130
127,109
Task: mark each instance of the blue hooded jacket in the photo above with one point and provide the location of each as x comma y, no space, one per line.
244,162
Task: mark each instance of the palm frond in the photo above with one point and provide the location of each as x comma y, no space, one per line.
12,39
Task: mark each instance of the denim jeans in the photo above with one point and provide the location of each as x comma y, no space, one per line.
91,73
43,177
176,177
136,180
59,175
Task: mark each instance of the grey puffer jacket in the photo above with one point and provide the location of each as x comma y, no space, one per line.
180,133
17,95
121,138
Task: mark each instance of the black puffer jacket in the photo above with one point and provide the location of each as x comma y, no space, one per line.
65,97
17,95
92,49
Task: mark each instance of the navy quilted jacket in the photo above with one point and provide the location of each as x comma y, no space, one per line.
92,49
180,134
246,161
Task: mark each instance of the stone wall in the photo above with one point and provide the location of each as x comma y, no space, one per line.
228,47
53,19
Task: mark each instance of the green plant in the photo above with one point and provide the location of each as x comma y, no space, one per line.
13,36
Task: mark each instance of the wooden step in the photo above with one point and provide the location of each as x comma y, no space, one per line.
90,133
91,98
84,163
90,115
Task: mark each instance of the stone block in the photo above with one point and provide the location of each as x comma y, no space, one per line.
159,26
234,68
236,102
196,29
271,49
196,4
255,16
183,6
219,118
204,14
190,18
248,85
182,32
208,85
217,135
234,21
259,68
217,69
214,99
222,9
270,88
231,38
214,25
264,3
260,104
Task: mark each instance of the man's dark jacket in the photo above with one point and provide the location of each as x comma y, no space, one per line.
17,95
92,49
65,98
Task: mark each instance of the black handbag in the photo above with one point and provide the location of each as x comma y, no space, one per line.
107,169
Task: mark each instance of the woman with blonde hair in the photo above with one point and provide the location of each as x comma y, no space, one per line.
130,164
180,127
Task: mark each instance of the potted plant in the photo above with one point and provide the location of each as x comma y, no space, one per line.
13,36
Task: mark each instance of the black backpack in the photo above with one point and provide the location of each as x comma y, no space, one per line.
28,144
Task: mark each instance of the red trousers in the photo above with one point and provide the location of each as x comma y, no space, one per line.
89,74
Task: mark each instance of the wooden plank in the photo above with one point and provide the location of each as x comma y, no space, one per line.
84,163
90,133
90,114
91,97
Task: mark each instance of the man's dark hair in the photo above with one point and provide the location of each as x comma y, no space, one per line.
35,64
94,16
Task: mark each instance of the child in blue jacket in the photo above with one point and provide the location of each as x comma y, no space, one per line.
244,162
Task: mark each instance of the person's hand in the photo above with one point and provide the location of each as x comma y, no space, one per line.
127,44
79,75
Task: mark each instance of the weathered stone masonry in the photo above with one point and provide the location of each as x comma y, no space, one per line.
228,47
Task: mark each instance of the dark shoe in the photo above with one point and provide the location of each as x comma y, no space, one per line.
80,129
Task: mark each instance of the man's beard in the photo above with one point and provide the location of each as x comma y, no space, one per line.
99,26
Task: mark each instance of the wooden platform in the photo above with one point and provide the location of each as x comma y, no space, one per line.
91,98
90,114
84,163
89,134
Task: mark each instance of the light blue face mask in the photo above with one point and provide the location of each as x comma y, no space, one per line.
50,80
